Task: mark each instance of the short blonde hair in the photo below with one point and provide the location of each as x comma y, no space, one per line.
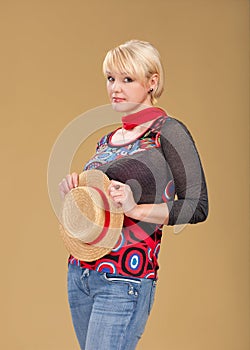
138,59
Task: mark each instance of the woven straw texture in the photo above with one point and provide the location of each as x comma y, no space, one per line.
83,217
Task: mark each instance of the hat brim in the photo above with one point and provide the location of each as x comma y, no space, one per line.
81,250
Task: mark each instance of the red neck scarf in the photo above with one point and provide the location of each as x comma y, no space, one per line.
145,115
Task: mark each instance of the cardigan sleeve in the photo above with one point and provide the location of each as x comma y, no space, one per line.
190,204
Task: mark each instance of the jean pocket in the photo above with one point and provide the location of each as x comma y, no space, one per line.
118,278
133,284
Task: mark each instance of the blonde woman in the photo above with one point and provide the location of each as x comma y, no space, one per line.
157,178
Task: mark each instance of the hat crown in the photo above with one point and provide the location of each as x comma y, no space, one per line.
83,213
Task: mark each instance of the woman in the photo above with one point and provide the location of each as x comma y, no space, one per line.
157,179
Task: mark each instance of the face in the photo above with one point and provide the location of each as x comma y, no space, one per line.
127,94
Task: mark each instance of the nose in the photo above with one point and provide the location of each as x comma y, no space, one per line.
116,86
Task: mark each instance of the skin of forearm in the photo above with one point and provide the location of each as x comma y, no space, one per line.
153,213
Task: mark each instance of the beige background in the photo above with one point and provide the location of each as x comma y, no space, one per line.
51,55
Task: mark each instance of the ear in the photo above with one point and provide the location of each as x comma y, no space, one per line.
153,81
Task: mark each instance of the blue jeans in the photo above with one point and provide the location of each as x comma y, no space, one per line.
109,312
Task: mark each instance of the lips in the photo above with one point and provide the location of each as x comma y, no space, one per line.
117,99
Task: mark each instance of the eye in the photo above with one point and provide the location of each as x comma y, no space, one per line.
128,80
110,78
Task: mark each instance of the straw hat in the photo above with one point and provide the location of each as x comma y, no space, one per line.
90,222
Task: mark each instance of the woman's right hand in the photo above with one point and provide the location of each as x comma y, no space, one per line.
67,183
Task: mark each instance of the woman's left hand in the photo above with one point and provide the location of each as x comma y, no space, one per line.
122,195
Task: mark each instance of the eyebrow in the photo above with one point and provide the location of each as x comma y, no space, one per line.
126,74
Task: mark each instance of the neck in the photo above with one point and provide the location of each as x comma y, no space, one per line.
139,108
142,116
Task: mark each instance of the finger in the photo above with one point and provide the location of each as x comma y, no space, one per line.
113,189
117,202
118,198
75,179
115,192
63,186
69,180
118,205
62,189
62,194
117,195
115,184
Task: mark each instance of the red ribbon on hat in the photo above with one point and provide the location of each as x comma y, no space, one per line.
107,217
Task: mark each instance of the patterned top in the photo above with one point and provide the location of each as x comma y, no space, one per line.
156,172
